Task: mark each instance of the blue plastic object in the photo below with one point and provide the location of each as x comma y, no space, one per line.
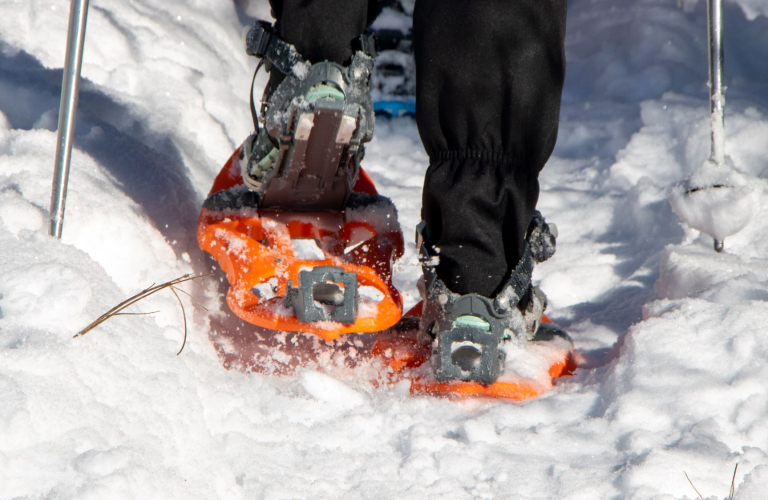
395,107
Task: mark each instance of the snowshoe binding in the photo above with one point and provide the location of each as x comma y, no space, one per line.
297,225
474,345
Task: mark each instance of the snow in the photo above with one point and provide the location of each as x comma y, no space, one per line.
717,199
671,336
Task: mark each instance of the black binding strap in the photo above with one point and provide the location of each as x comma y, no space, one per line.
366,43
254,114
521,277
262,41
539,246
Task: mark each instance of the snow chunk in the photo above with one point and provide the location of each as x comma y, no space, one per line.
301,69
717,200
330,390
478,431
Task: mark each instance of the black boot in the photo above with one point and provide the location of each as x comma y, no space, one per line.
469,332
307,154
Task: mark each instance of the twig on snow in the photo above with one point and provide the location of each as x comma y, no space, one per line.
171,285
733,483
183,315
692,486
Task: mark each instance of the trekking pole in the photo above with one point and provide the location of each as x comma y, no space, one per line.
78,14
716,89
716,199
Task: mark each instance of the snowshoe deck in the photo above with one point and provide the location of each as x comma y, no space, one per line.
407,359
325,273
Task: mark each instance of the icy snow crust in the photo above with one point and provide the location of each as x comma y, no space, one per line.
672,337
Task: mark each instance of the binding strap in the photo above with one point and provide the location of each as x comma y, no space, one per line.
521,277
539,246
254,114
262,41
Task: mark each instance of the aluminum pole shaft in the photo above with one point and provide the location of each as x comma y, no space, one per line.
70,86
716,88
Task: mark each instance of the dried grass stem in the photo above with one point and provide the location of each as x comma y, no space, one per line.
171,285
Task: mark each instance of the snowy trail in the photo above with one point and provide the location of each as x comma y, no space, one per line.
672,336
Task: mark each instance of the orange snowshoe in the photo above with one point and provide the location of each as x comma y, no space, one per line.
470,344
407,357
326,273
297,225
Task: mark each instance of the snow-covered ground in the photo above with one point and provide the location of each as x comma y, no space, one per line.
672,338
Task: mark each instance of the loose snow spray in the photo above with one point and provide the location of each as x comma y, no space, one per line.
716,199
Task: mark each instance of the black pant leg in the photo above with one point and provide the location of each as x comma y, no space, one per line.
324,29
488,86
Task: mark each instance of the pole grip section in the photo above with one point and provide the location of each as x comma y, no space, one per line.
70,85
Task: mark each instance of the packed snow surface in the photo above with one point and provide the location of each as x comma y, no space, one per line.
672,338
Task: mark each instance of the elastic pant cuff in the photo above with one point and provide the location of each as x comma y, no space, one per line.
473,154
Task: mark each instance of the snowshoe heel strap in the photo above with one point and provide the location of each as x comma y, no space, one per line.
539,246
262,41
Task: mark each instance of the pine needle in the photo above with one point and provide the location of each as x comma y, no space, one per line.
733,482
183,315
191,297
118,309
692,486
